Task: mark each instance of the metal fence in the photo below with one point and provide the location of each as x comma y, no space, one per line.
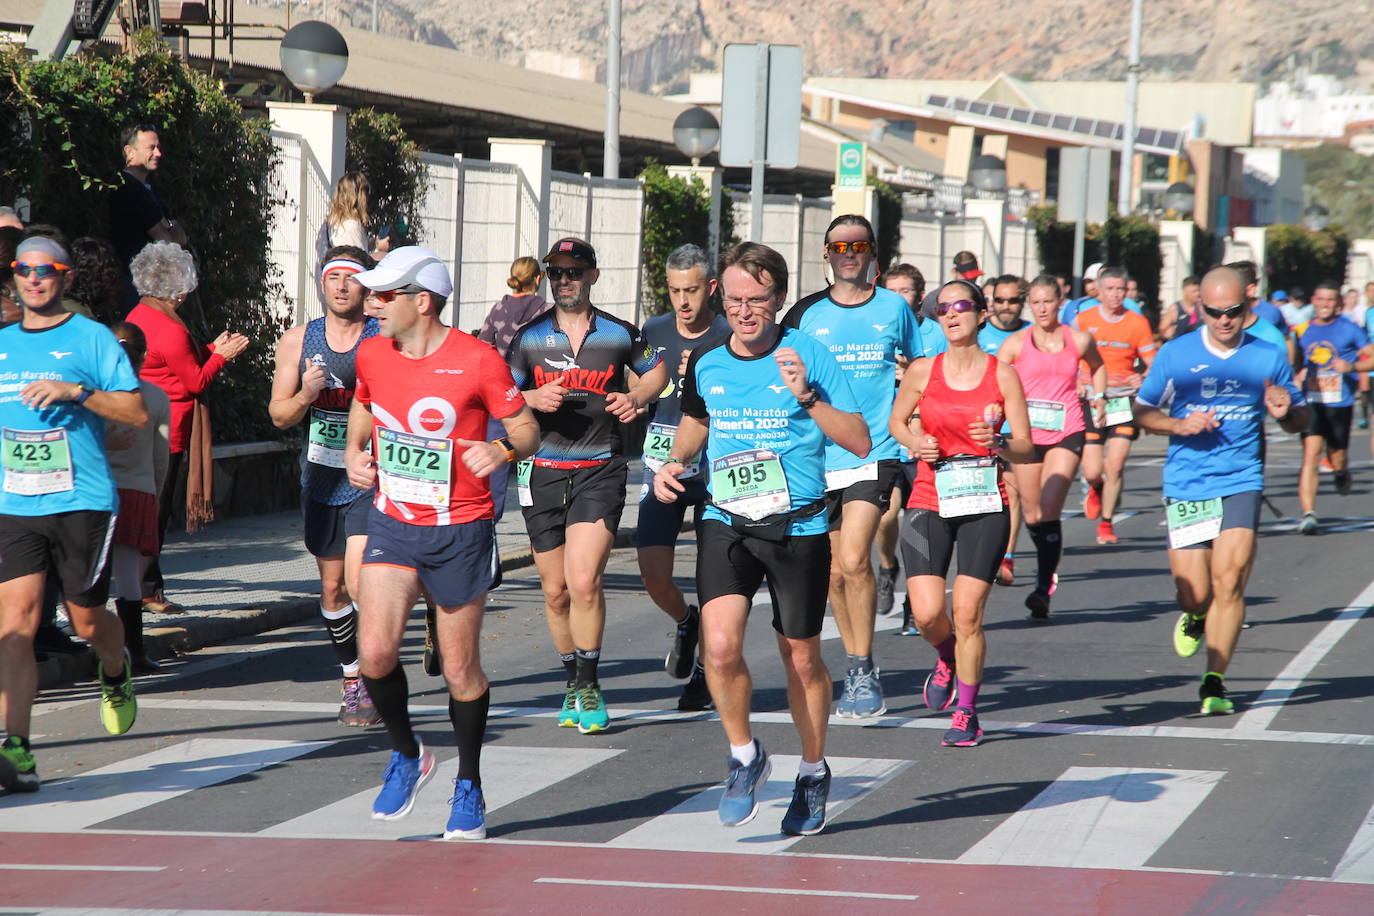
299,186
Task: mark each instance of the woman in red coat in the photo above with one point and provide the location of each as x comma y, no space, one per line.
164,275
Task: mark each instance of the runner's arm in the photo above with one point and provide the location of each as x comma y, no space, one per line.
1018,448
362,470
1364,359
522,429
286,407
689,440
906,406
649,385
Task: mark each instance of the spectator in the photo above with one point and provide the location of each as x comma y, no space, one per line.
138,459
9,219
165,275
348,219
517,307
10,310
137,214
97,278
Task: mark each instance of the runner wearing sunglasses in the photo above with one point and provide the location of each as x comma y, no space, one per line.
949,410
866,327
1008,296
1209,393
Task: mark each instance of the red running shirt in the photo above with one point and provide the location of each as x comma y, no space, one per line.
419,406
945,414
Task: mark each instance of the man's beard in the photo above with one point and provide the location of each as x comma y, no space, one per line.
567,301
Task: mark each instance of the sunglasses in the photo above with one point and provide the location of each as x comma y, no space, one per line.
1230,312
858,247
44,271
958,305
389,295
558,273
1014,300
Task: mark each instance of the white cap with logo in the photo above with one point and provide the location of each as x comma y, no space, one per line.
409,266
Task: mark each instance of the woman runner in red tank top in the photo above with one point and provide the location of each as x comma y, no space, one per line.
1046,356
947,412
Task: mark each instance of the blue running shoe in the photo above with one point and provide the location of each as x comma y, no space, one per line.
401,782
868,695
568,716
844,707
468,820
591,711
739,803
939,689
963,729
806,815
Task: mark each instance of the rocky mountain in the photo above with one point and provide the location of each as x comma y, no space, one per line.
665,40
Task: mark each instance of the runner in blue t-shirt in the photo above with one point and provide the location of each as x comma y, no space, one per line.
867,328
762,405
1209,392
1327,351
61,377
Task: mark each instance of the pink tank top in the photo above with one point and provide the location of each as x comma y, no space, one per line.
1050,381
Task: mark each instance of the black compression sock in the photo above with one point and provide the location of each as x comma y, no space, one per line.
1048,538
343,633
390,694
569,665
469,718
587,660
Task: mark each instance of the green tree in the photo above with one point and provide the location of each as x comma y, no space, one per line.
676,211
379,148
1131,242
1341,180
1297,257
60,124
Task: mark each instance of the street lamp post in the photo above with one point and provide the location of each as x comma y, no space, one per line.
695,133
314,57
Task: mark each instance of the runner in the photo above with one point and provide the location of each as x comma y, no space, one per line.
948,411
424,394
314,381
1184,315
1327,352
1126,344
64,376
570,362
763,404
1004,319
691,326
865,327
1046,357
1209,392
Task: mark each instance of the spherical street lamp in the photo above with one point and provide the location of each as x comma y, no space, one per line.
695,133
1316,217
314,57
988,173
1181,198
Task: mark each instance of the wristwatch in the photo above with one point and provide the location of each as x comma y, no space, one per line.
809,401
511,455
82,393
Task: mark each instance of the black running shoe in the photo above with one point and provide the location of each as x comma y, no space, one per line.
696,696
683,653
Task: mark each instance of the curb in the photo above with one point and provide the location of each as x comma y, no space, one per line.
180,635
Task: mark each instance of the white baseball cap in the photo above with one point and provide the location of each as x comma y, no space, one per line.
409,266
1092,271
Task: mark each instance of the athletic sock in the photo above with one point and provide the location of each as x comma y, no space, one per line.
390,694
946,649
859,663
343,634
586,666
811,769
744,753
1048,538
968,696
469,718
569,665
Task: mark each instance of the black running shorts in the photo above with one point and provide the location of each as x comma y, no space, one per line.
568,496
928,543
877,492
797,569
328,528
74,546
1331,423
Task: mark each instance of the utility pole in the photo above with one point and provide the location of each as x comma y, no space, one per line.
1127,178
611,146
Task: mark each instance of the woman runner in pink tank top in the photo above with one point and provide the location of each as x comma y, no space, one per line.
958,499
1046,357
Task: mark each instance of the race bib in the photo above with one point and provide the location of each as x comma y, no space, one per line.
1046,415
658,446
37,461
1118,411
750,483
1325,387
522,482
414,469
1193,521
840,480
328,434
967,486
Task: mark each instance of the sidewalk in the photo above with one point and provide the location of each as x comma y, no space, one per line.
249,575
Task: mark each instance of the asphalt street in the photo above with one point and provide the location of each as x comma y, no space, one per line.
1098,787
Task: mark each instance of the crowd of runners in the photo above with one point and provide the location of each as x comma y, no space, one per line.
873,417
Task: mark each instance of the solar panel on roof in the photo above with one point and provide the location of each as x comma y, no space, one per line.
999,111
1041,118
1022,115
1102,129
978,107
939,101
1063,122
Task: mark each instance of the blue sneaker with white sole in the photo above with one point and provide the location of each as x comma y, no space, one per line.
401,782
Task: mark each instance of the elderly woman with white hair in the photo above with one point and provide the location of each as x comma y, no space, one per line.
164,275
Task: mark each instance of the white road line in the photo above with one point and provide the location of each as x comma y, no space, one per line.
930,722
119,868
695,825
79,802
1267,705
725,888
1358,862
1096,817
524,771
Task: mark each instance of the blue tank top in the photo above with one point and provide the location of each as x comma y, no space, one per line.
328,417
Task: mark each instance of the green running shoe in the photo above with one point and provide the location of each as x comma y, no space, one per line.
1188,634
118,705
1213,694
18,772
568,716
591,707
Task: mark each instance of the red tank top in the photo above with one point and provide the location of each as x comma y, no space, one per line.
945,414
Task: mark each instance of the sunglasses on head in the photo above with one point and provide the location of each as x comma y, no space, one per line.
558,273
389,295
858,247
958,305
1228,312
44,271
